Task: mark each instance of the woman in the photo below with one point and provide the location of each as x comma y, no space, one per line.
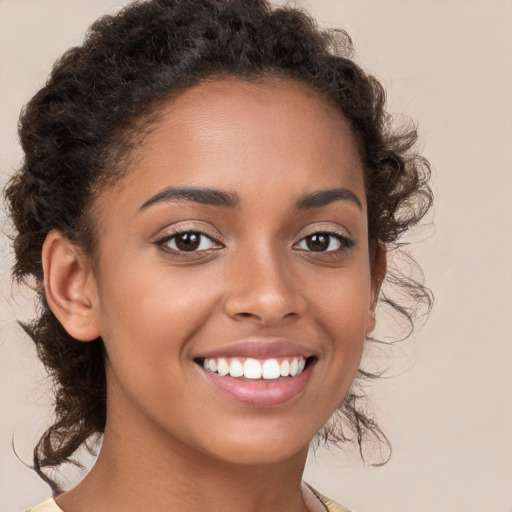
209,193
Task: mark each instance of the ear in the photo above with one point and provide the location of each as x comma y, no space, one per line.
379,268
70,286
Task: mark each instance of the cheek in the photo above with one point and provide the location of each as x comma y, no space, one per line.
148,311
148,319
341,308
342,303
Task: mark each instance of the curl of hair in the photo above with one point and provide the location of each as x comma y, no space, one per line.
78,131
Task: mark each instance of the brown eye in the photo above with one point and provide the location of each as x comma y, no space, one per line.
188,241
325,242
318,242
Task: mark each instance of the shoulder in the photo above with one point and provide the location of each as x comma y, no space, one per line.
330,505
47,506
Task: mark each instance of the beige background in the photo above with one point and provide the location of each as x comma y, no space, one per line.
448,411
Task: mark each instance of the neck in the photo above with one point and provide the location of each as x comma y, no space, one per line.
156,472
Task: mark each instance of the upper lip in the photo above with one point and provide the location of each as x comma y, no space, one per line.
259,348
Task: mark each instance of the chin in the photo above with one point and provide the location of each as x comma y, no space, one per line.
252,456
261,448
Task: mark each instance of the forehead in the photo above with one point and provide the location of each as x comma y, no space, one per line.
274,133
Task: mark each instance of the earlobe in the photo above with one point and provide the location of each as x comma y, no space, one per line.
70,286
379,268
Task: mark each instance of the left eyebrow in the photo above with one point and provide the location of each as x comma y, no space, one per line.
208,196
326,197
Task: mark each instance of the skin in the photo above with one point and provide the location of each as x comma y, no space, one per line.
172,441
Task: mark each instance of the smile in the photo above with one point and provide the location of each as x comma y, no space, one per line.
259,372
256,383
250,368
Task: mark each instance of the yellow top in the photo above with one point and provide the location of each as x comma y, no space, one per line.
47,506
50,506
330,505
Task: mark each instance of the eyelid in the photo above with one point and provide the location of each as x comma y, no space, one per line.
174,231
186,226
346,240
332,229
172,236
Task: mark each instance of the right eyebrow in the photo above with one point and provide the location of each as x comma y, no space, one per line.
208,196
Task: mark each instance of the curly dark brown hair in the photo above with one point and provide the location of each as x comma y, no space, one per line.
78,131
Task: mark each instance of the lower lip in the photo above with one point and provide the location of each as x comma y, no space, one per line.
260,393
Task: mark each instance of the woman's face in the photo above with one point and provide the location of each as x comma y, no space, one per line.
239,241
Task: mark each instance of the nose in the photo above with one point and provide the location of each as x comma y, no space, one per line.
261,288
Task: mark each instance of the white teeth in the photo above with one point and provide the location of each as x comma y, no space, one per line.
294,367
222,367
252,369
269,369
236,368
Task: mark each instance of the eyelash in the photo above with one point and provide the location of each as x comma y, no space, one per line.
162,242
345,242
